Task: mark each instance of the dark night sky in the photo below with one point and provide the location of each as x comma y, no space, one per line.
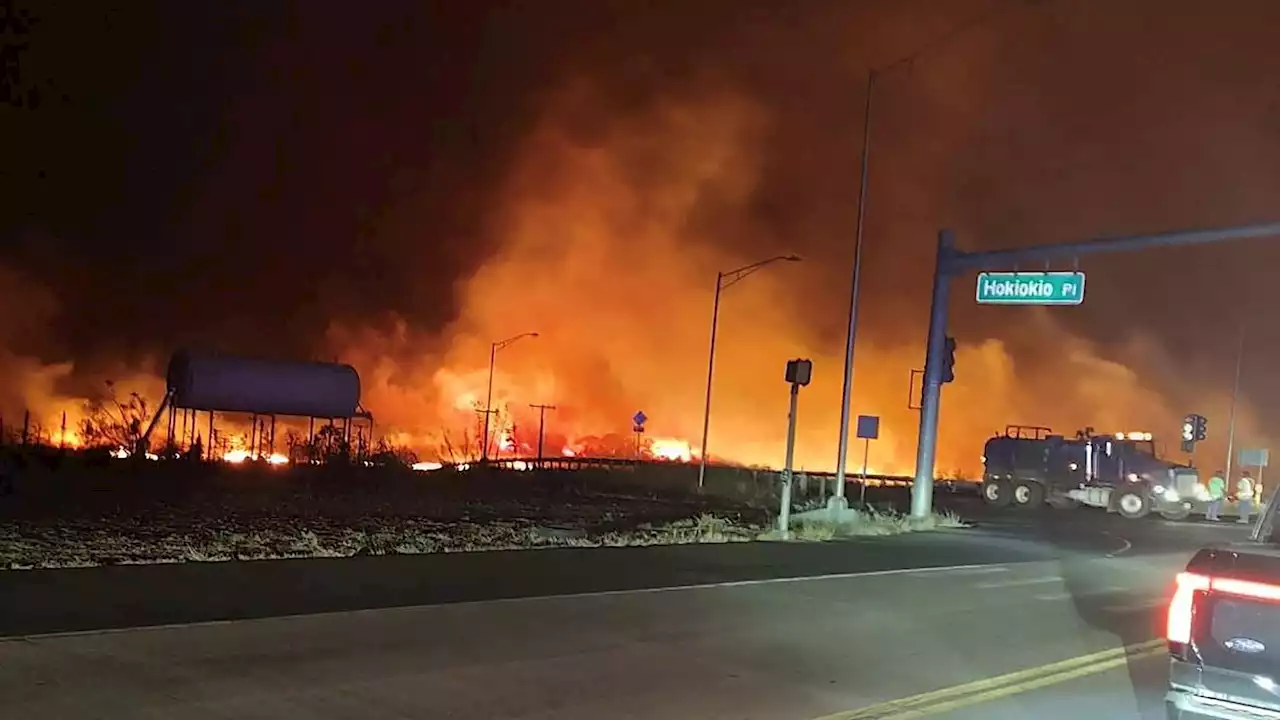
217,173
235,159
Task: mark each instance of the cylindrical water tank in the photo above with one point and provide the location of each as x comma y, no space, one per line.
204,381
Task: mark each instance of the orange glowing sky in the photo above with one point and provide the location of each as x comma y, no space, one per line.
642,164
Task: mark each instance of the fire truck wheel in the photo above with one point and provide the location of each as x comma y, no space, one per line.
997,493
1133,504
1028,494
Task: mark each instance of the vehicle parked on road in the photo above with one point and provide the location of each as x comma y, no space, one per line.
1028,466
1223,630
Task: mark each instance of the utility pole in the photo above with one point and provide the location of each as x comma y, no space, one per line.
542,416
484,444
952,262
1235,401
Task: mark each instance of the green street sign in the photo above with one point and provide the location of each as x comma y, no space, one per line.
1030,288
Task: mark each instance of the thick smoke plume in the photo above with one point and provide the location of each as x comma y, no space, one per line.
608,229
736,139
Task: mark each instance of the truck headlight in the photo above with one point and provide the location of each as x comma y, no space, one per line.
1172,495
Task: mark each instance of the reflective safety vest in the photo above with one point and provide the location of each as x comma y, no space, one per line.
1217,488
1244,488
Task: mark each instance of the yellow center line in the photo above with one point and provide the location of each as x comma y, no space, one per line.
992,688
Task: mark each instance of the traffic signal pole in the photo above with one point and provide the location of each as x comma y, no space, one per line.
927,444
952,262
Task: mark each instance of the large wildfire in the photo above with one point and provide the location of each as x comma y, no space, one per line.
604,233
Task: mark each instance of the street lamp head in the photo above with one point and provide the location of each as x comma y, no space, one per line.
533,334
792,258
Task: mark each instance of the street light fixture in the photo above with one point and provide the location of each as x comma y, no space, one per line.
488,398
724,280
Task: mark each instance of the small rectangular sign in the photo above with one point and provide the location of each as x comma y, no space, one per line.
868,427
1030,288
1255,458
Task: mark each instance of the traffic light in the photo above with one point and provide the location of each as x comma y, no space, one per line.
1195,428
949,360
1189,434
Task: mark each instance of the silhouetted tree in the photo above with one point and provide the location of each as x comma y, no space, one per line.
112,423
385,454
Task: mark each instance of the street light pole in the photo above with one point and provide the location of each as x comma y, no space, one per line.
711,368
838,501
724,280
488,398
1235,400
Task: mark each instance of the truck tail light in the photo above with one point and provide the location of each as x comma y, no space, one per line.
1178,625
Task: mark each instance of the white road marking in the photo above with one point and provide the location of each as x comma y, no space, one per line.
1021,582
981,570
528,598
1124,549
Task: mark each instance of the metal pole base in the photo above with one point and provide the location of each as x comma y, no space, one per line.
837,504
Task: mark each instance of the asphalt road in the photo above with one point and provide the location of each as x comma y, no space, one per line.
794,632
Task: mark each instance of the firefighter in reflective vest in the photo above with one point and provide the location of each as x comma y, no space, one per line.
1244,496
1217,490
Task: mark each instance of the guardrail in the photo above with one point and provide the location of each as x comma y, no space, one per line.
605,463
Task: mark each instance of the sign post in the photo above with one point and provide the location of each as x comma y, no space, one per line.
799,373
637,427
868,430
1259,459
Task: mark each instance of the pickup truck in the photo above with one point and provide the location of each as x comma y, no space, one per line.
1223,630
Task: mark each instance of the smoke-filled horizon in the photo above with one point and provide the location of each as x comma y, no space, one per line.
400,188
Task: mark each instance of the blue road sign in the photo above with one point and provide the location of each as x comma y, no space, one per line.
868,427
639,418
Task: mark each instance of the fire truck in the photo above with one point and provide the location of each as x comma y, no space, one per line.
1030,466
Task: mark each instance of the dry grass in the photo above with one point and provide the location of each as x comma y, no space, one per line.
870,523
85,545
880,522
87,516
